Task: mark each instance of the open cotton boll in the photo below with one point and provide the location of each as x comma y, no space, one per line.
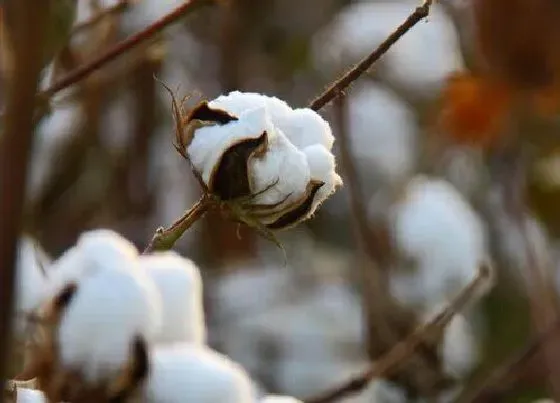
437,229
283,166
280,399
24,395
180,286
322,167
95,250
210,143
185,373
107,314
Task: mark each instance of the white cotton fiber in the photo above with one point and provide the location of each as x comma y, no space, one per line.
237,103
280,399
437,229
185,373
108,311
24,395
305,127
284,166
180,287
31,281
95,250
322,166
211,142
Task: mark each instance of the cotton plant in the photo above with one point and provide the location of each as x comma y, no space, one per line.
264,163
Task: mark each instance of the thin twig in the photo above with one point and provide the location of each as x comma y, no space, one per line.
404,349
164,239
363,66
28,22
122,47
118,8
500,378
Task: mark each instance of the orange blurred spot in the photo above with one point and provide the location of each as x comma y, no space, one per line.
474,110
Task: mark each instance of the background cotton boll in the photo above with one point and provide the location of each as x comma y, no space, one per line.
185,373
109,310
284,166
322,167
180,286
438,231
279,399
24,395
32,264
210,143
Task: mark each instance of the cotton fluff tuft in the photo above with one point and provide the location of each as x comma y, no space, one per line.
297,150
185,373
95,250
180,286
280,399
24,395
439,231
109,311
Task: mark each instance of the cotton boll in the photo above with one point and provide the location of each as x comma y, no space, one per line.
185,373
283,166
280,399
210,143
109,310
180,286
24,395
237,103
439,231
95,250
322,167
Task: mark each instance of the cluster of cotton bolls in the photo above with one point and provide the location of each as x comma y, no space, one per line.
118,325
257,149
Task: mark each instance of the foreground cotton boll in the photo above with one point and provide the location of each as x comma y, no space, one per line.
180,286
185,373
252,147
104,318
95,250
280,399
436,229
24,395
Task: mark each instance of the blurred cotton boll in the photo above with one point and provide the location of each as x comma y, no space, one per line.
185,373
279,399
30,396
410,63
437,231
248,146
96,250
180,286
108,313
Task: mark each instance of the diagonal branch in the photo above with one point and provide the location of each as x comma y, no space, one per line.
363,66
122,47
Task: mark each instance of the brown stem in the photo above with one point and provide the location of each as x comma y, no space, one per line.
120,48
164,239
363,66
404,349
28,22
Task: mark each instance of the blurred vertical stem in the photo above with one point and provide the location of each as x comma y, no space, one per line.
27,20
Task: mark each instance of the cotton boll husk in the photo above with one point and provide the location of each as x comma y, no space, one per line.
284,166
180,286
95,250
24,395
322,167
211,142
280,399
442,235
108,311
185,373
